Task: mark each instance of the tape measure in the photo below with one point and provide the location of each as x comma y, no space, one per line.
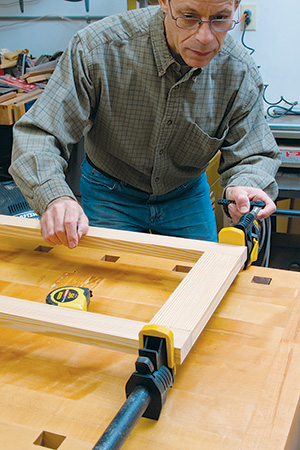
70,297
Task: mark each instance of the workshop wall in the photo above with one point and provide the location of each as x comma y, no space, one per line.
48,36
276,39
276,43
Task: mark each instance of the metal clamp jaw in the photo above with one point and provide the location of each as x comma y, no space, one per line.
155,367
246,232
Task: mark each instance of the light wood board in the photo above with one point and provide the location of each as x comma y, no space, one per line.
186,311
238,388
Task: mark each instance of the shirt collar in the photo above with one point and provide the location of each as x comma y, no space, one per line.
162,55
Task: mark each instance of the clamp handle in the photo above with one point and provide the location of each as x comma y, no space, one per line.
246,232
225,201
253,203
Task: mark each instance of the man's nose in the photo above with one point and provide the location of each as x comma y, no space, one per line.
204,33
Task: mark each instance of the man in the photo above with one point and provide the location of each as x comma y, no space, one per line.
156,93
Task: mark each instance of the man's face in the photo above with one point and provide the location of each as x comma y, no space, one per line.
196,48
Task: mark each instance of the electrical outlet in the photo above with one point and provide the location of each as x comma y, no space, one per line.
252,25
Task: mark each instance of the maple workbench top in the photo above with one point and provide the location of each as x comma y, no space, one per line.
238,388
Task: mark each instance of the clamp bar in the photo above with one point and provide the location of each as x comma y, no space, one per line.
287,213
125,420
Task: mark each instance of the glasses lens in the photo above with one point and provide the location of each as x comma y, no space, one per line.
187,22
222,24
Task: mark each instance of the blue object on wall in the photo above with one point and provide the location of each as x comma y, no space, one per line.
87,6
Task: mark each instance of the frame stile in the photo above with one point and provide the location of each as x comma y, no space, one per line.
186,312
194,301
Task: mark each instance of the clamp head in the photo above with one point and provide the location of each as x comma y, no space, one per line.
155,367
160,332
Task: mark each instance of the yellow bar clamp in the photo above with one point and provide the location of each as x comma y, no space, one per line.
235,236
231,235
131,4
160,332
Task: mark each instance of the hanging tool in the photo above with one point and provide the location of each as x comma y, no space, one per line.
246,232
87,4
146,389
70,297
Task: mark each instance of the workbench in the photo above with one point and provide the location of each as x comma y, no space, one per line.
238,388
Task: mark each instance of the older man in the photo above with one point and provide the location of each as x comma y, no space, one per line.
156,92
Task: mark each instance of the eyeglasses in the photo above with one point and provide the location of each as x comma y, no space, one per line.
189,22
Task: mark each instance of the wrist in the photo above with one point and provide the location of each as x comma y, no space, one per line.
59,199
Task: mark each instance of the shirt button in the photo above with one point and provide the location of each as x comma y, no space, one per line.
176,87
160,152
156,180
169,122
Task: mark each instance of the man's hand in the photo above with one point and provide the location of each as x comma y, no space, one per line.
64,222
242,195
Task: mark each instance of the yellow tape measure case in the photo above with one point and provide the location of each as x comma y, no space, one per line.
70,297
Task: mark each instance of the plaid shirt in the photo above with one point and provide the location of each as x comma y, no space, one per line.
145,120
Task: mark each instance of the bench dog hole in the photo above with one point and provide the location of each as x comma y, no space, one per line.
179,268
261,280
49,440
110,258
43,249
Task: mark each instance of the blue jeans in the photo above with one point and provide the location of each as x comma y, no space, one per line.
184,212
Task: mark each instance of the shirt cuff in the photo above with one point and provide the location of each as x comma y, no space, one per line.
48,192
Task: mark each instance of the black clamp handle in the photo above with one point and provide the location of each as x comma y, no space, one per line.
225,202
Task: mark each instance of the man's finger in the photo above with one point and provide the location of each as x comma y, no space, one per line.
83,226
234,213
76,224
70,229
269,209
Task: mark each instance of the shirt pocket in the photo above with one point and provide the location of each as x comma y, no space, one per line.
196,148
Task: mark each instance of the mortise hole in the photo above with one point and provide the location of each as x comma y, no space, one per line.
261,280
43,248
110,258
179,268
49,440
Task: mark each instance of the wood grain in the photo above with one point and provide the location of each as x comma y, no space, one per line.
186,311
238,388
126,241
239,385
